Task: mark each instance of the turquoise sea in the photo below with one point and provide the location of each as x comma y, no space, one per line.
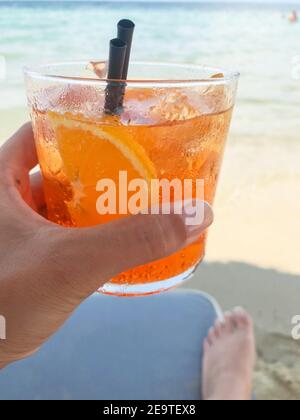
257,40
261,175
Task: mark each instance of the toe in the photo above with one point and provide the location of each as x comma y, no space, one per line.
219,328
242,318
206,345
223,326
228,323
212,337
247,320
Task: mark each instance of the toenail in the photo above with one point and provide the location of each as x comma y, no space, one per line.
239,309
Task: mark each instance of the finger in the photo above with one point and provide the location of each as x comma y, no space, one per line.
37,191
17,157
98,254
19,151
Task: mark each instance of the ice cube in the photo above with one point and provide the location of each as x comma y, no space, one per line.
174,105
137,103
77,99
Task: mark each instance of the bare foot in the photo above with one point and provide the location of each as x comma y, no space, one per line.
229,358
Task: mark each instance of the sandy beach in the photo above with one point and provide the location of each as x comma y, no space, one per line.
253,248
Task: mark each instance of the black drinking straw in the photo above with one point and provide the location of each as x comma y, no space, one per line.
119,56
125,33
115,89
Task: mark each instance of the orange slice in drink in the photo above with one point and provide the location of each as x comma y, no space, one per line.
90,153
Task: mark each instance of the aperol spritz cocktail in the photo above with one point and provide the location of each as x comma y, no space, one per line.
173,126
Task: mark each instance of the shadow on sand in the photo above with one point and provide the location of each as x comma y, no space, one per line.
272,297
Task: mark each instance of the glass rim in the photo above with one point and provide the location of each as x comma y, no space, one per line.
40,72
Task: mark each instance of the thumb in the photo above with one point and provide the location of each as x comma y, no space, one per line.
95,255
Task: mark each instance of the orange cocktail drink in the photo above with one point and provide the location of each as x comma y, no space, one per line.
172,128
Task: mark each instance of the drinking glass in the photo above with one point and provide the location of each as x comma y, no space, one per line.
170,132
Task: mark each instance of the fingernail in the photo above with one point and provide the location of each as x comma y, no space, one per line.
198,216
